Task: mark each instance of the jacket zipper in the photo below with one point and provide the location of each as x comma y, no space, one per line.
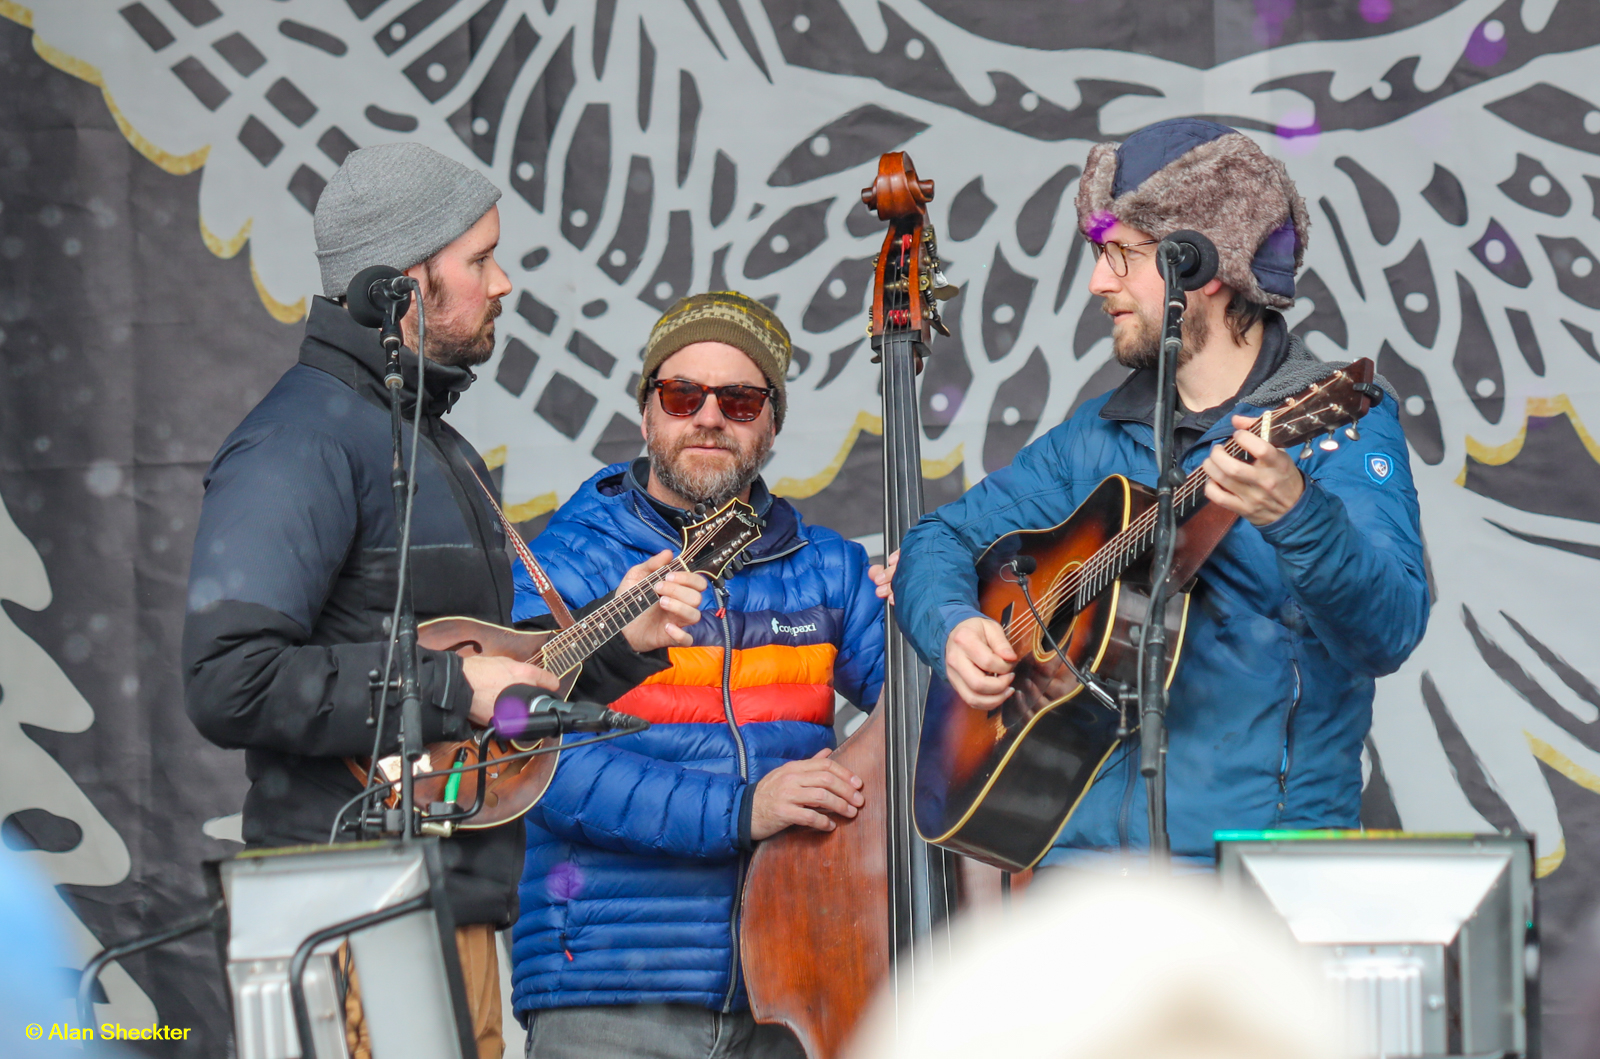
1288,736
744,774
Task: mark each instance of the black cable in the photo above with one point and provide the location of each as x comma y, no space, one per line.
1090,682
503,759
405,548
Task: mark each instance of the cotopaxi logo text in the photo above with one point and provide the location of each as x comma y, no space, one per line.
778,627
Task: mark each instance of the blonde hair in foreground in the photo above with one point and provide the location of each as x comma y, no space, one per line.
1113,968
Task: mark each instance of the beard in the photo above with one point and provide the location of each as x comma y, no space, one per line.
450,342
694,480
461,347
1140,348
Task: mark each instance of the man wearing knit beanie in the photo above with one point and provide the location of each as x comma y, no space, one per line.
1315,591
294,573
636,853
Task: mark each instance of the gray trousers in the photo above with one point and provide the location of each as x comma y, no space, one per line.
656,1031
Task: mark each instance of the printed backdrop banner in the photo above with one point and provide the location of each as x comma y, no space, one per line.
159,161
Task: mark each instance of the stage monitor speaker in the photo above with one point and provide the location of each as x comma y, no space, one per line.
1428,941
297,907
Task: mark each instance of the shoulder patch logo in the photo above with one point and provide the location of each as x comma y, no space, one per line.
1379,467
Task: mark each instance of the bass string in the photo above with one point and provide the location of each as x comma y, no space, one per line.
568,642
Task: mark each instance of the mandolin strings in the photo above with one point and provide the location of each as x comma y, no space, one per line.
569,647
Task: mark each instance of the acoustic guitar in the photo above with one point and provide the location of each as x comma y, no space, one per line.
501,793
998,785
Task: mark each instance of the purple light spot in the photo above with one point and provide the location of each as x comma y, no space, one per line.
1270,18
1100,222
1300,131
1486,48
564,882
1376,11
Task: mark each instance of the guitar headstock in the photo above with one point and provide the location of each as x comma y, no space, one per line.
711,544
908,283
1324,407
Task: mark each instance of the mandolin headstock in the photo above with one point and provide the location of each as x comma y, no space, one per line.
713,543
1324,407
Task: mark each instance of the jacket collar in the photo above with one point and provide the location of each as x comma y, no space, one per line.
1135,400
780,525
338,345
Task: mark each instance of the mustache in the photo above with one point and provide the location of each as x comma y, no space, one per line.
712,438
495,308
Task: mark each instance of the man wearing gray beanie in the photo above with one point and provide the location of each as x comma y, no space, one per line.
1315,591
294,572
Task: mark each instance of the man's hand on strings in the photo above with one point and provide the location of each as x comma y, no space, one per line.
1259,492
677,609
883,576
978,660
805,793
489,675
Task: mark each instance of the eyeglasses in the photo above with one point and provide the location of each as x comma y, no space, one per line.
1117,253
680,397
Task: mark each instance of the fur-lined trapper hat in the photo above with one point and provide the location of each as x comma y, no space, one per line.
1189,173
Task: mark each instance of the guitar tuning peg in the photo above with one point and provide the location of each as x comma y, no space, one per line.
1329,443
943,289
1352,433
1305,453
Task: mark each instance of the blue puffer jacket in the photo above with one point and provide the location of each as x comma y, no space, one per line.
1288,627
636,854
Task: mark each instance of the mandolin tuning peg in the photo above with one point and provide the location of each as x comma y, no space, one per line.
1329,443
1305,453
1352,433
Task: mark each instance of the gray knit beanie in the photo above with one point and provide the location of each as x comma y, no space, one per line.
394,204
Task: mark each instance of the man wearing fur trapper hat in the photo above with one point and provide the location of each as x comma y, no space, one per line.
1317,590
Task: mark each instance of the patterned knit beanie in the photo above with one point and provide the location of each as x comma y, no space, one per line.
1189,173
722,316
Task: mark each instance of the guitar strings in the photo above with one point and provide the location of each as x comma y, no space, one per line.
1111,558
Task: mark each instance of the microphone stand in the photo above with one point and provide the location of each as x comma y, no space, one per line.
1187,260
405,632
1153,645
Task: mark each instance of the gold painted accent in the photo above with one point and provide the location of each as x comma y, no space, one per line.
1537,407
1562,763
16,13
801,488
531,509
176,164
289,313
1547,864
495,457
225,248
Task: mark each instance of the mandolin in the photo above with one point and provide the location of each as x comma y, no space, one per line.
998,785
512,788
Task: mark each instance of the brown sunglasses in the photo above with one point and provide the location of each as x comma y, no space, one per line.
680,397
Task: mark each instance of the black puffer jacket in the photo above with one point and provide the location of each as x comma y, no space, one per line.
293,581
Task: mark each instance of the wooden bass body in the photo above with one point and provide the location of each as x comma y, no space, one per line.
999,785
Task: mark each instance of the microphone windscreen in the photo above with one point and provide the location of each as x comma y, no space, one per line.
514,709
358,297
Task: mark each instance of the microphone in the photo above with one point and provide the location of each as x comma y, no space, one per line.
525,714
376,292
1191,256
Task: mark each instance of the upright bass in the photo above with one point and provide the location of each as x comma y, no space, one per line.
830,916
